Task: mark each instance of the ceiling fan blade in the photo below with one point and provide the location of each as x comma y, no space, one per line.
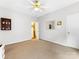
30,1
42,9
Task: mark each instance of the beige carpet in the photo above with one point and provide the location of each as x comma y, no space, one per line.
40,49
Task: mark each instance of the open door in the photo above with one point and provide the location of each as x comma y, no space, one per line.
35,30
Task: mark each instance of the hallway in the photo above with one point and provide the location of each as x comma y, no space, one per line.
39,49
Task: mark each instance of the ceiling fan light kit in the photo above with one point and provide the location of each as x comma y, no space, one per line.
36,5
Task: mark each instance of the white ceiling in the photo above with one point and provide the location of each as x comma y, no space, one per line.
24,6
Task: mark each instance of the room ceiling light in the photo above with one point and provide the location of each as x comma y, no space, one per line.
36,5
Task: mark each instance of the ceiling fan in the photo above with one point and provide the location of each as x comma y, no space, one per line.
37,5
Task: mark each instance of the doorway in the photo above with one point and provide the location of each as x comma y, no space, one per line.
35,30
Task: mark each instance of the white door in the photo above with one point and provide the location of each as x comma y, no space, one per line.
73,30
